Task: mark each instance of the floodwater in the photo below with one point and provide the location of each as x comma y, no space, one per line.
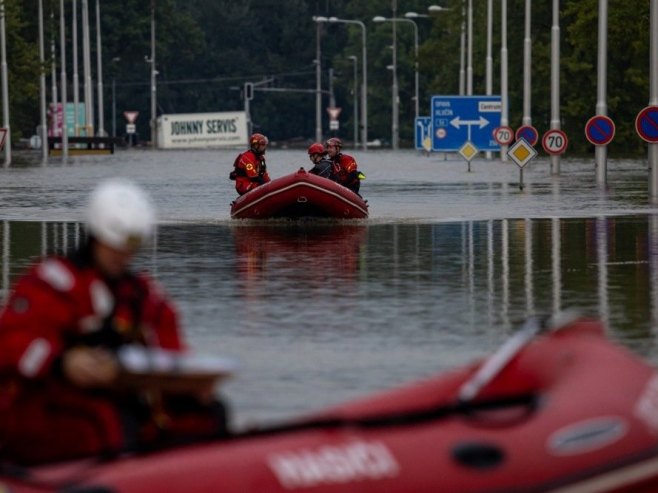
449,263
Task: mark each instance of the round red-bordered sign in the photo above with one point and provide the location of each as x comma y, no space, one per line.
646,124
529,133
503,135
600,130
554,141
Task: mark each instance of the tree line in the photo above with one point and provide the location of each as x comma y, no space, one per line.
206,50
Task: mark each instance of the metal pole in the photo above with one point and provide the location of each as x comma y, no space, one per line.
416,82
318,83
114,108
555,80
62,52
86,55
504,95
396,99
42,89
601,151
527,57
99,70
364,90
462,55
364,86
355,104
469,65
653,97
76,82
53,71
154,133
5,85
489,58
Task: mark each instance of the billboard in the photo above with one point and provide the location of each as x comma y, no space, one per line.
198,130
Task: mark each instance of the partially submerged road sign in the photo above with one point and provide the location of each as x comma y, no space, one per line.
459,119
600,130
646,124
424,133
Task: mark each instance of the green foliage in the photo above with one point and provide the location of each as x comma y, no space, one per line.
207,49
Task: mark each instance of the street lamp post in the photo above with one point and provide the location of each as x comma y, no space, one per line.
395,20
355,59
154,133
318,80
364,87
5,84
99,73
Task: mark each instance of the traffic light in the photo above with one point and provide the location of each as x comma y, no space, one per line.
249,91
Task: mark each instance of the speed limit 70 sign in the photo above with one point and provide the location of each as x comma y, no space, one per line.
554,141
503,135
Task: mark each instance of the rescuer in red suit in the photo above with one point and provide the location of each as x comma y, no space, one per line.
250,170
60,331
345,167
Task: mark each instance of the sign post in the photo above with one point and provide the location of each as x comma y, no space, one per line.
521,153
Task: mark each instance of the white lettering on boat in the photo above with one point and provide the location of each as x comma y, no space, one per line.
646,408
331,464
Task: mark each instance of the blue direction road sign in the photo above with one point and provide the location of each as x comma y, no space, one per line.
599,130
424,133
458,119
646,124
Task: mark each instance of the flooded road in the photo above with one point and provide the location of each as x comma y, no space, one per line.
447,265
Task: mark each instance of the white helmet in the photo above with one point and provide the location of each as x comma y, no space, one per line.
120,214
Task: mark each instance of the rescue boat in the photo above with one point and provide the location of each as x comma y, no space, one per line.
300,194
558,408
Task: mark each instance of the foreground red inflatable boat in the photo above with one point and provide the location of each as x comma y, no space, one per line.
300,194
564,411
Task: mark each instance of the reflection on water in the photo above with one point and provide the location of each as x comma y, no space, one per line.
319,312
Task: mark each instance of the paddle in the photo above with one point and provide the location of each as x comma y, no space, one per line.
171,371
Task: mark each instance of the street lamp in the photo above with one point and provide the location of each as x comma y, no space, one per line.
115,60
318,80
364,87
355,59
395,96
154,73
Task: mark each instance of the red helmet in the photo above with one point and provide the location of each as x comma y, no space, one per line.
258,139
334,141
316,149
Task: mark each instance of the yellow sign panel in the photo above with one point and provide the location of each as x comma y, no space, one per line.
468,151
522,153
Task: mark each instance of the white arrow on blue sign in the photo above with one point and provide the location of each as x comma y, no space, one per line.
458,119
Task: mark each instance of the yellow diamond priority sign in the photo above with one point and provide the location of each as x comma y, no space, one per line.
468,151
522,153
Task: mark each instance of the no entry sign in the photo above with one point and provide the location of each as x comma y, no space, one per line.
600,130
646,124
554,141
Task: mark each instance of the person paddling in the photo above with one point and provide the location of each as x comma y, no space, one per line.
62,389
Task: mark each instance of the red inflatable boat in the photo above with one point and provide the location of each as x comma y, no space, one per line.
300,194
564,410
